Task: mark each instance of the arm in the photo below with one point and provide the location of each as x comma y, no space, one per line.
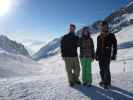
61,45
97,49
93,50
114,40
78,42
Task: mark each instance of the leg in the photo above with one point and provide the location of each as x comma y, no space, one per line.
69,69
107,76
101,65
83,63
76,69
88,71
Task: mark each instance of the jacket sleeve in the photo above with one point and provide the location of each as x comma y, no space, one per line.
93,50
78,42
98,48
61,45
114,46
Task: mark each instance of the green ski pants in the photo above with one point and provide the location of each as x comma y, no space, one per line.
86,70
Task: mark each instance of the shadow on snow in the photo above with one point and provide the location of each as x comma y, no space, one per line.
96,93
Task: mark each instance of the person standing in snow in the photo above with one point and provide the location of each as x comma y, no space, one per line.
106,51
87,54
69,45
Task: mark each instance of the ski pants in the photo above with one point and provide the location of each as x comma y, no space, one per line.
104,65
73,68
86,70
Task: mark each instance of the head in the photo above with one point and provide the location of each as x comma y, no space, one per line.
85,32
72,28
104,27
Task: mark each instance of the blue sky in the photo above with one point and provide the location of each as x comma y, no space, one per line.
45,19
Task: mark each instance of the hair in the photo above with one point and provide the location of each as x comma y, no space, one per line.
104,23
83,31
72,25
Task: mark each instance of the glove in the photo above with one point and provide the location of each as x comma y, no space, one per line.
113,58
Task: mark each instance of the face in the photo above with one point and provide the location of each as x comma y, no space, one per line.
72,29
85,32
104,28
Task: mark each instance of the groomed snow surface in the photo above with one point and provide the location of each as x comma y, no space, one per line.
24,79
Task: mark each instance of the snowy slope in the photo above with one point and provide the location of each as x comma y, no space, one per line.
12,65
15,60
12,46
33,45
51,49
56,88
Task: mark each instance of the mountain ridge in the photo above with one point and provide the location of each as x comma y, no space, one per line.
12,46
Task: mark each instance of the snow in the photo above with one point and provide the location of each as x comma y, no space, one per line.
12,46
130,3
33,45
50,88
51,82
130,16
12,65
52,48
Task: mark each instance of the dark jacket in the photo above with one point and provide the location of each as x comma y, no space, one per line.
106,47
69,45
86,47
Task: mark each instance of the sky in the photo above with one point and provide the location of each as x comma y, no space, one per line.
43,20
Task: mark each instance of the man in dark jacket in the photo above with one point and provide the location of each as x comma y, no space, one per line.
69,45
106,51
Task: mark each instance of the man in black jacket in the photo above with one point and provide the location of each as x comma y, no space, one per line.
106,51
69,45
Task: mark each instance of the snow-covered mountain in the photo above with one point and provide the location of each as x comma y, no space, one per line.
118,20
15,60
33,45
51,49
12,46
14,65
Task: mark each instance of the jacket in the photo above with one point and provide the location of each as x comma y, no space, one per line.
106,47
69,45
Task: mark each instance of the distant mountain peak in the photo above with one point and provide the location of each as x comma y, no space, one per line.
12,46
48,50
